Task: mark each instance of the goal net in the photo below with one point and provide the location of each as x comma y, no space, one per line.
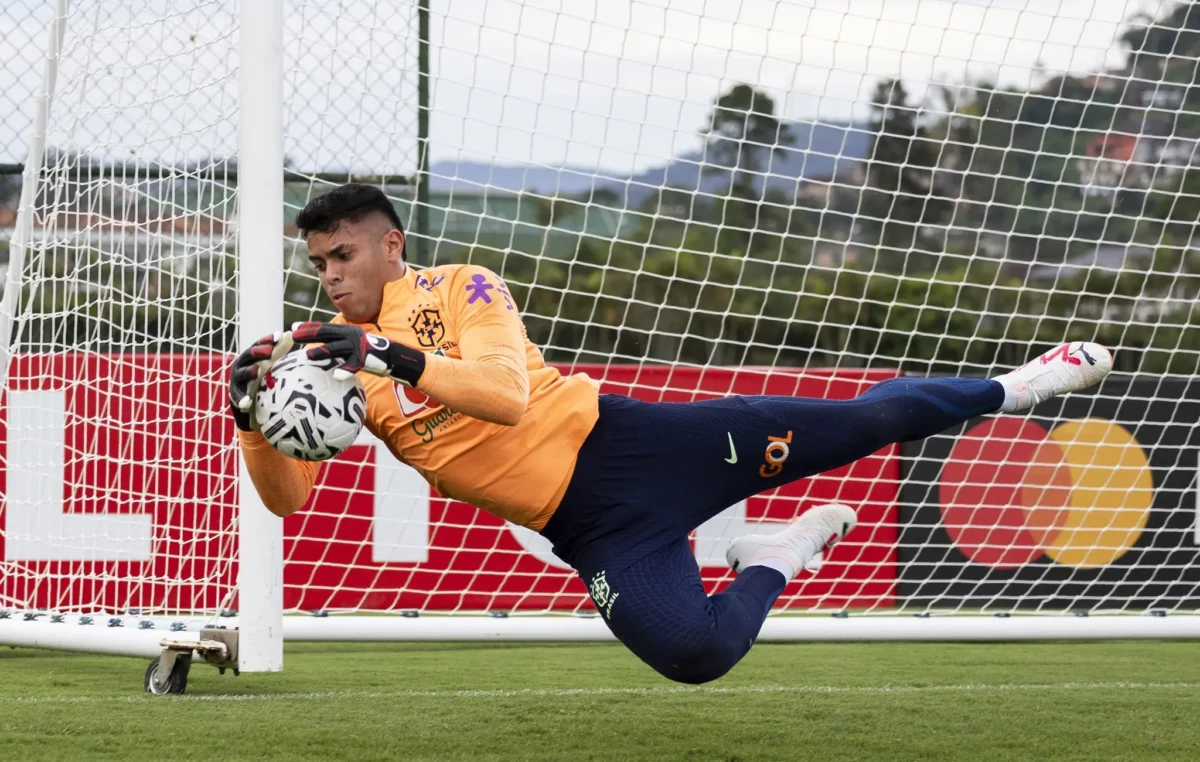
687,200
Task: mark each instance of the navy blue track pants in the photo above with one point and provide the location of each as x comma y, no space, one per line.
649,473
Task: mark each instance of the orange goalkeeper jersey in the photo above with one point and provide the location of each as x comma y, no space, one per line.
478,351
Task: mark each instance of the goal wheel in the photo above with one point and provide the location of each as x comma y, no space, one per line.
175,682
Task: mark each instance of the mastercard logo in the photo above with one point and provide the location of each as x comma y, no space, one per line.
1013,491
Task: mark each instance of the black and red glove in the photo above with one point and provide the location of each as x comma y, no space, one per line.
246,374
353,349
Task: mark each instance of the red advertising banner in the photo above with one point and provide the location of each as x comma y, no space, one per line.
120,487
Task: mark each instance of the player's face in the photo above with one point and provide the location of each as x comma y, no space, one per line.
354,262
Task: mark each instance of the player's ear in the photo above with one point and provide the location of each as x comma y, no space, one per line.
393,246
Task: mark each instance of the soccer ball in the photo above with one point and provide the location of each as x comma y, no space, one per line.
306,413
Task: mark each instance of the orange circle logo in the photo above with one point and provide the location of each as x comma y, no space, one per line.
1011,492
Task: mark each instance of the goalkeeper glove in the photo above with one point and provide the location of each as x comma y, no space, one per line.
353,349
246,374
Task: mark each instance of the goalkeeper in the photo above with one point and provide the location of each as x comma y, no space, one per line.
458,392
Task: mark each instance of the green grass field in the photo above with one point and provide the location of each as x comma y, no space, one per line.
1092,701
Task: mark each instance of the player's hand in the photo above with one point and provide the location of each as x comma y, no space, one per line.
353,349
246,374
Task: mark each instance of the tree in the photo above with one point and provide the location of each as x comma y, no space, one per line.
1178,205
1154,42
743,134
899,194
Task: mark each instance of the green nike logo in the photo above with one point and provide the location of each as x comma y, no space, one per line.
732,450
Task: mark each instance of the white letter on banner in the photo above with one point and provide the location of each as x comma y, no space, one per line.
537,546
400,529
38,530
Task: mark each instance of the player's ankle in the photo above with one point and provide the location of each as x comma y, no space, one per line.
778,563
1011,397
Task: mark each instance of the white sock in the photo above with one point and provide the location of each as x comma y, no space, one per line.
780,565
1010,392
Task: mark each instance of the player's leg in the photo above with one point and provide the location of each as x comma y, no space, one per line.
897,410
653,471
906,409
787,438
811,436
657,607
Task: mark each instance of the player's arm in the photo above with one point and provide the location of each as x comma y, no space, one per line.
283,483
491,378
490,382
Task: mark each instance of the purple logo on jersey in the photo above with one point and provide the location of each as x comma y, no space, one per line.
508,305
427,285
479,288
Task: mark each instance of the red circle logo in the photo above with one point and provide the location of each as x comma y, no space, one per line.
412,402
1012,491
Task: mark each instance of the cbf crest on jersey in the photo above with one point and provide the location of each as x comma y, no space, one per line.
428,327
602,594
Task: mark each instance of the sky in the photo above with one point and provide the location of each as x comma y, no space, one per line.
620,85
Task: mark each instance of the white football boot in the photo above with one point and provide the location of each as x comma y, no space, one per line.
800,545
1066,368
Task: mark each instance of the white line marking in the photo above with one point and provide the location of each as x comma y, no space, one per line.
666,690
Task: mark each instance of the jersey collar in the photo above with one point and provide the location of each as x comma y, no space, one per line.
396,291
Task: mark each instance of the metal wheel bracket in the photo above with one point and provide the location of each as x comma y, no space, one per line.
166,663
216,647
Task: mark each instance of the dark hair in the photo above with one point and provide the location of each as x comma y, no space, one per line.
346,203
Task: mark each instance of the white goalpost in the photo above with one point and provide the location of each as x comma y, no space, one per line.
260,311
686,202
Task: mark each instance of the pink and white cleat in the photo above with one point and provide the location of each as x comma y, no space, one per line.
1064,369
800,545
